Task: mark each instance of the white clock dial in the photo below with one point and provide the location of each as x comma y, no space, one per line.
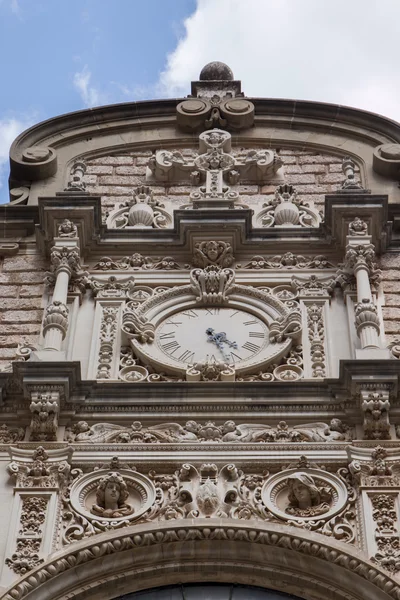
213,335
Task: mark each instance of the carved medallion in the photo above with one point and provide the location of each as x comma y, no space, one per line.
304,495
104,494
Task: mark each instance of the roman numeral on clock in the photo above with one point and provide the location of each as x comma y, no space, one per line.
251,347
190,313
212,311
256,334
167,335
171,322
253,322
170,347
187,356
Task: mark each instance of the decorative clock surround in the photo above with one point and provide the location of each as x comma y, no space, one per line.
212,320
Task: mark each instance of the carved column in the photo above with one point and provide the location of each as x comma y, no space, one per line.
39,476
65,259
110,298
314,296
376,478
360,261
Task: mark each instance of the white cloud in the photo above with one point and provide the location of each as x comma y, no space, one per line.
329,51
90,95
15,8
9,129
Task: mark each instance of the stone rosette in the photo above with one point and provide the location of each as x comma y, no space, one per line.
275,494
142,494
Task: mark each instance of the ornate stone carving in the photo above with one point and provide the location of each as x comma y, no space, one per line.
366,316
314,287
192,431
212,253
45,408
39,472
143,211
138,262
305,495
210,492
211,285
284,209
67,229
288,261
216,167
33,516
111,495
350,183
103,500
11,435
286,327
386,533
358,227
316,338
108,331
38,154
210,371
56,317
111,288
376,406
216,102
76,182
137,326
65,257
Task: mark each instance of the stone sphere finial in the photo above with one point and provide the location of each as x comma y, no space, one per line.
216,71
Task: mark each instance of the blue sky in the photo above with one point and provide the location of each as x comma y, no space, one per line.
60,56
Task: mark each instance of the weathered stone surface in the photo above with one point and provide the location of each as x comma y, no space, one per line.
131,171
9,291
22,316
113,160
22,329
100,170
31,291
390,261
307,160
391,313
23,263
392,299
299,179
389,274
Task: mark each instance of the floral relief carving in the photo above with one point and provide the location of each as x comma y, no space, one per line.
33,516
108,331
45,408
386,531
39,472
316,337
212,284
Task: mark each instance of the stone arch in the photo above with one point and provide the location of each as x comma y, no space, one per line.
287,559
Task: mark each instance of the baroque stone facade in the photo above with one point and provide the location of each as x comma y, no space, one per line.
199,350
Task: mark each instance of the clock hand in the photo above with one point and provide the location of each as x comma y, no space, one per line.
219,339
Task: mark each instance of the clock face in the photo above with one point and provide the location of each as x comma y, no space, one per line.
213,335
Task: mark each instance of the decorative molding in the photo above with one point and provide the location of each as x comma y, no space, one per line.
350,184
195,432
11,435
288,261
376,407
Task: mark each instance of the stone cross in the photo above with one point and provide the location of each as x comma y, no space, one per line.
215,167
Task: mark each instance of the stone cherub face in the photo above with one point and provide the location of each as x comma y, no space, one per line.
111,494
